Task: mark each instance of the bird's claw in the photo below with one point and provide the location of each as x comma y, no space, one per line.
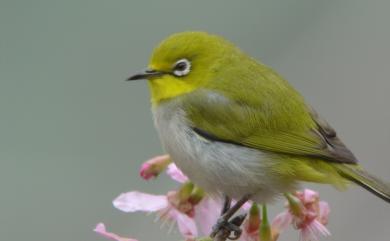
231,229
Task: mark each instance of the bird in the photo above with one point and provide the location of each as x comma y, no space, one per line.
238,129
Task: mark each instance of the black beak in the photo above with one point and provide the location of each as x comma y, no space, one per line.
146,74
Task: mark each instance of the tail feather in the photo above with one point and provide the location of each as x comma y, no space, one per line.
357,175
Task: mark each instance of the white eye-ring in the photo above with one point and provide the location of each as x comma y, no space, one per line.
182,67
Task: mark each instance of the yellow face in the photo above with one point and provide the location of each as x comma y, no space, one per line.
178,80
182,63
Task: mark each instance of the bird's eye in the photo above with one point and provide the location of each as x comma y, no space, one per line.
182,67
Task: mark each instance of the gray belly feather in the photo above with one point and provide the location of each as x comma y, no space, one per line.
217,167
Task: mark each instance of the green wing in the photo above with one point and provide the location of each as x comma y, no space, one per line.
281,123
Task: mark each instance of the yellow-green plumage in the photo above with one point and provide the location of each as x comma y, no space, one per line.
228,97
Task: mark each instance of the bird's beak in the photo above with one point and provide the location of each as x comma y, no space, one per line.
146,74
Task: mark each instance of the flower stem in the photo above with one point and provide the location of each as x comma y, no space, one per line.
265,228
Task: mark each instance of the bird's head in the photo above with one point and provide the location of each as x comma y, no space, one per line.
182,63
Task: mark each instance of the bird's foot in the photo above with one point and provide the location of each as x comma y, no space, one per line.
225,229
228,229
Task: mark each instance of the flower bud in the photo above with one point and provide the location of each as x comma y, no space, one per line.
253,219
153,167
295,205
185,191
196,195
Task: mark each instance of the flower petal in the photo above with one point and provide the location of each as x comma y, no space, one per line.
176,174
137,201
247,206
207,213
281,221
323,213
186,225
101,229
309,196
312,231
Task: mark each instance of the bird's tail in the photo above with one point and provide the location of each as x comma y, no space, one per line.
359,176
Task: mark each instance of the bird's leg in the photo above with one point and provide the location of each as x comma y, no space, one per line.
224,227
226,205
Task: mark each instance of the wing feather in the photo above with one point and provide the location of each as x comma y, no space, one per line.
280,129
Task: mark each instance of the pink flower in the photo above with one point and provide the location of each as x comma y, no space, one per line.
187,207
175,207
153,167
176,174
306,213
168,207
101,229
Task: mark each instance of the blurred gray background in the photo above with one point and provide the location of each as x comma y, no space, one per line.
73,133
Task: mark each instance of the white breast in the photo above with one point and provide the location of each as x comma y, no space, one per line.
217,167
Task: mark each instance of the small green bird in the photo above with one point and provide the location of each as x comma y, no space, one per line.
237,128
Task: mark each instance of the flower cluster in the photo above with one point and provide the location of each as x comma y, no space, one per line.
194,212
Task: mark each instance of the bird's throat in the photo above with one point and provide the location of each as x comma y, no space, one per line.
166,88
